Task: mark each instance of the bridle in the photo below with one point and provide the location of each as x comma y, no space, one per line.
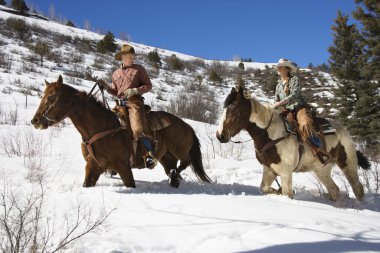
44,114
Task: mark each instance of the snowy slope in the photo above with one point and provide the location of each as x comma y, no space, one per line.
230,215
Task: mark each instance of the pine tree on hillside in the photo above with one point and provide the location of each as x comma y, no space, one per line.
70,23
2,2
154,58
368,106
241,66
107,44
19,5
346,59
370,19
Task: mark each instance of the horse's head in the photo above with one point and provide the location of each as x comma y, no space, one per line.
51,109
237,109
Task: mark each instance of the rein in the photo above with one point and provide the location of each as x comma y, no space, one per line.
105,103
99,135
266,128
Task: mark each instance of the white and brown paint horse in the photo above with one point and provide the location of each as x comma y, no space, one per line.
281,158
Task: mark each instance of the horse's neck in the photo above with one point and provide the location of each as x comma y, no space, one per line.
264,124
89,119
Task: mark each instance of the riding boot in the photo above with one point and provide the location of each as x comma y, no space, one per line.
316,143
150,160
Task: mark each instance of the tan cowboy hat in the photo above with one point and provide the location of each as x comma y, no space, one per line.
287,63
125,49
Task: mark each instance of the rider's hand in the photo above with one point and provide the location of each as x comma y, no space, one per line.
130,92
102,84
275,105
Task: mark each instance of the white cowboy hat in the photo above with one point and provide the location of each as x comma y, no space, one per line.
287,63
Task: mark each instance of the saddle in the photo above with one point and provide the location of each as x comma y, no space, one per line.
156,121
321,124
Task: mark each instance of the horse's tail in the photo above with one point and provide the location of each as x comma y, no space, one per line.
196,159
363,161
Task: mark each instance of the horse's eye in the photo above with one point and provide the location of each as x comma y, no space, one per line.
51,98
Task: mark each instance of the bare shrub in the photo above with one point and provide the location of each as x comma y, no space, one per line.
76,57
199,105
13,115
372,178
174,63
76,70
2,59
2,114
30,67
34,150
11,143
99,62
18,27
74,80
25,225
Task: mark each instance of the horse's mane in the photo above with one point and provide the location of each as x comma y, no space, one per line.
85,98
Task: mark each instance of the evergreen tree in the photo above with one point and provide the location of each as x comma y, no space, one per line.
70,23
19,5
215,77
155,58
175,63
241,65
368,106
370,19
42,49
357,95
107,44
345,60
323,67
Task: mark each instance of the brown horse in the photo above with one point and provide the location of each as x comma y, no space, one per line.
106,145
278,152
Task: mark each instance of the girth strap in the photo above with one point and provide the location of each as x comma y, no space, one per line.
97,137
271,144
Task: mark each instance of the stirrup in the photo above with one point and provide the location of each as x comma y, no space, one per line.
150,161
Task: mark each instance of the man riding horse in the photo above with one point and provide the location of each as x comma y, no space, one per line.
293,105
129,82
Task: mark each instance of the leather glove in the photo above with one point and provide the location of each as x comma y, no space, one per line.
130,92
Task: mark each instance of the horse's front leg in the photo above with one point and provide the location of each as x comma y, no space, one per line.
92,173
287,184
267,181
125,173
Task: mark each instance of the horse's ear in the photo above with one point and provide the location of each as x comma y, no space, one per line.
47,83
233,90
60,80
241,91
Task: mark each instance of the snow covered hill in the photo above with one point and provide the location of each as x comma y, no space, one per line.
230,215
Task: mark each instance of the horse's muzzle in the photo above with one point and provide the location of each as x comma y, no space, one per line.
40,123
221,138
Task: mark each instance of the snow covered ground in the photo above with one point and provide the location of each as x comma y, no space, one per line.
230,215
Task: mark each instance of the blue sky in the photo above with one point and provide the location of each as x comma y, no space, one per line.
264,30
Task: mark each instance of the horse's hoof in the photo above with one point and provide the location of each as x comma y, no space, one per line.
174,182
173,179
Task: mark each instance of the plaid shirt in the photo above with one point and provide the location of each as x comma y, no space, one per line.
289,95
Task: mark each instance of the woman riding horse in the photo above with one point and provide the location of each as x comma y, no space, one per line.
129,82
293,105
